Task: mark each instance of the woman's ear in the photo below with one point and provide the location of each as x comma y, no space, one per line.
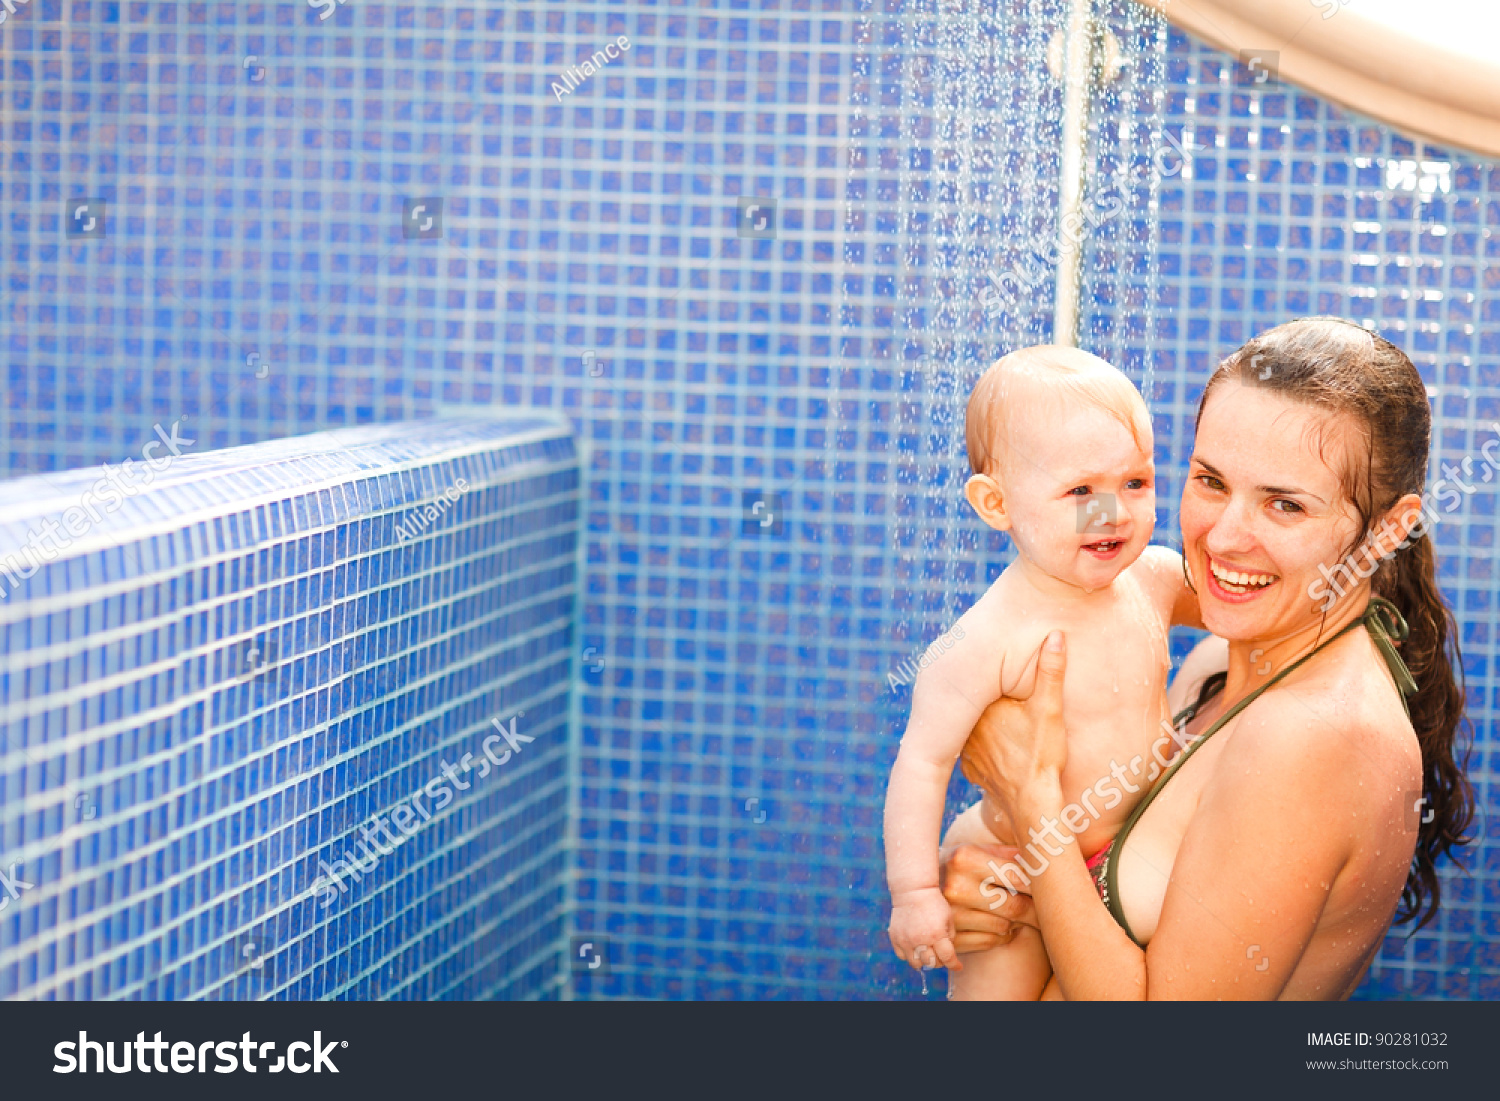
988,499
1402,521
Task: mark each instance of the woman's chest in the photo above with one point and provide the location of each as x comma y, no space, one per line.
1151,848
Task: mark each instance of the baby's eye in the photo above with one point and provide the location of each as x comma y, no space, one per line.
1078,491
1136,483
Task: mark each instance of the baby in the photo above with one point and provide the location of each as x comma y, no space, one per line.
1061,447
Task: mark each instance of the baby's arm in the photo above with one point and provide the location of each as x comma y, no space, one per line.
949,695
1169,585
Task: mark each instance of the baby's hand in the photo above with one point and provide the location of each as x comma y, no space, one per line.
921,929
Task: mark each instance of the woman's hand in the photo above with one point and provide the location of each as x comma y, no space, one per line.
1019,747
970,887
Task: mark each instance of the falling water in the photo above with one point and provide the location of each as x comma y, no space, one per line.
966,244
1129,156
952,233
979,129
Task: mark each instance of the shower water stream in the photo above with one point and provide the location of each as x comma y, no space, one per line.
958,186
962,173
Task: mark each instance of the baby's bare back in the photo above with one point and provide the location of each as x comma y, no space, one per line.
1114,697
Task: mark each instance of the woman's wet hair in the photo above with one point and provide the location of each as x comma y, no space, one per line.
1375,391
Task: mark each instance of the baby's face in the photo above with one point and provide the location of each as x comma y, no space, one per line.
1081,496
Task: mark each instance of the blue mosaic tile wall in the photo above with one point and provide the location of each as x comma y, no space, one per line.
272,661
770,530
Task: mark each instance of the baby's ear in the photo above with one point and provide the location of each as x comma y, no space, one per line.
988,499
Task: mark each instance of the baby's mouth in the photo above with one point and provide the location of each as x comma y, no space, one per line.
1104,548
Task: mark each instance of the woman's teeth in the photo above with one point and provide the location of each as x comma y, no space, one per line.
1236,582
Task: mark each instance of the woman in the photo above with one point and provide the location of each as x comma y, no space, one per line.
1318,785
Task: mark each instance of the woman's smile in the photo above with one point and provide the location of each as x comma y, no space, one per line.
1237,586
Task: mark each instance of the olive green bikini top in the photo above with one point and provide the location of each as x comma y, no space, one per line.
1386,627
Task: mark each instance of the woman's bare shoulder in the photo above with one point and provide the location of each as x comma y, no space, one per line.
1332,731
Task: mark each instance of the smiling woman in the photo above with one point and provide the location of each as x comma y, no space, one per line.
1377,441
1316,741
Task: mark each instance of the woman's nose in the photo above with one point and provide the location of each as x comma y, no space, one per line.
1232,531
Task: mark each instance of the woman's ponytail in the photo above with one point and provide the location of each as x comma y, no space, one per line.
1445,809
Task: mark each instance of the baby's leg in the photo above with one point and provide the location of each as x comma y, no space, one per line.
1014,972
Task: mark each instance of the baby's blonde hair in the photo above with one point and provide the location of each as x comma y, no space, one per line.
1064,373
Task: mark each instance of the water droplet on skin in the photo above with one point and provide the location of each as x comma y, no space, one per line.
924,982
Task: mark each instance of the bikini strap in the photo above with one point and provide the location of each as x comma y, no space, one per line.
1251,697
1386,626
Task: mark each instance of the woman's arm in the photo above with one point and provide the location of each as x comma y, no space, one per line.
984,918
1237,916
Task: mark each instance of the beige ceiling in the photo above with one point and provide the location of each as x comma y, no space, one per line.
1420,89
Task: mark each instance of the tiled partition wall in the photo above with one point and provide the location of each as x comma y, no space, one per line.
256,165
210,697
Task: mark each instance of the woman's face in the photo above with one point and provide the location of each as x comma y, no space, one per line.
1264,518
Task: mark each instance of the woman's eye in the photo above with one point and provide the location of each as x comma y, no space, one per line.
1210,482
1291,506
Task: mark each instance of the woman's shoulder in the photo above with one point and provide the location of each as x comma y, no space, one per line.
1336,726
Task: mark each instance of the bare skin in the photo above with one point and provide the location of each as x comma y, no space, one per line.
1114,595
1272,863
984,922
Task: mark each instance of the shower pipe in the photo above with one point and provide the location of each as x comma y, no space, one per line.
1077,60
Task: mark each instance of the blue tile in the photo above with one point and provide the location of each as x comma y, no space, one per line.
176,827
256,278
